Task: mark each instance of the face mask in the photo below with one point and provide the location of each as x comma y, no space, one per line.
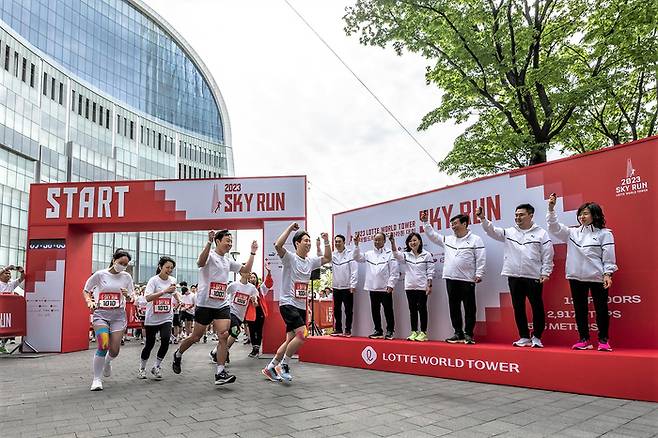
119,267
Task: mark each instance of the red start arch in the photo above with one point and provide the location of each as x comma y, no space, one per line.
64,216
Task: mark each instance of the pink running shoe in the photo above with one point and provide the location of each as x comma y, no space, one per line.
583,344
604,346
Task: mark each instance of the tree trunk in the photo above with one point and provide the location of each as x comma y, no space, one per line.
539,154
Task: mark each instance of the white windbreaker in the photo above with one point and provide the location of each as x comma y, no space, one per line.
417,269
381,268
528,253
590,250
344,270
465,257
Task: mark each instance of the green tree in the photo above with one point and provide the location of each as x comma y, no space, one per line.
527,76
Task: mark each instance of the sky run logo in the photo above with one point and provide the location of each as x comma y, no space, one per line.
369,355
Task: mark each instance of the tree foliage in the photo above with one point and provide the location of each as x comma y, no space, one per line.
528,76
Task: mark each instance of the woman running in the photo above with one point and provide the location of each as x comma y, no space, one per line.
258,311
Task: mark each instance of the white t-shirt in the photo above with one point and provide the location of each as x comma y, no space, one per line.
240,295
8,287
189,300
159,310
295,278
213,281
106,288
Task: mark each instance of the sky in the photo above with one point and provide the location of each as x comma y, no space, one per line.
295,109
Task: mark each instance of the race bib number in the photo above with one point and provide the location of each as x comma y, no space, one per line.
162,305
217,291
109,300
301,290
240,299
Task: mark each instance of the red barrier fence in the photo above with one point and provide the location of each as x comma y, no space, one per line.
12,315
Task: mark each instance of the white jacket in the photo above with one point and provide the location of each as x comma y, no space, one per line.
417,269
528,253
381,268
345,272
465,257
590,250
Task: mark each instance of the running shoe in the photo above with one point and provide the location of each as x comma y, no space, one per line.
469,339
583,344
107,369
348,334
96,385
604,346
175,341
536,342
254,351
205,339
224,378
455,339
284,372
176,364
271,374
412,336
213,356
337,334
141,374
377,335
421,337
156,372
523,342
389,335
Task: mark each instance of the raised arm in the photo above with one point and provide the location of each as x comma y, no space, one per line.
278,245
318,247
557,229
394,249
203,257
493,232
356,253
246,268
430,232
326,258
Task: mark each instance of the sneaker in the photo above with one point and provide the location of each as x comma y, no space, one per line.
205,339
12,341
469,339
377,335
156,372
271,374
141,374
214,338
583,344
175,340
213,356
123,342
604,346
254,351
422,337
224,378
284,372
348,334
176,364
389,335
337,334
455,339
107,369
523,342
536,342
96,385
412,336
247,342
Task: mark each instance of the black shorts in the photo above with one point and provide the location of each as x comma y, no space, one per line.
176,322
206,315
186,316
234,331
293,317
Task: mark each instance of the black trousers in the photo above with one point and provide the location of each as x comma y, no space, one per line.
521,288
151,331
579,292
461,292
417,300
343,297
378,299
256,327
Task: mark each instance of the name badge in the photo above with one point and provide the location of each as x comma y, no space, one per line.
240,299
162,305
109,300
217,291
301,290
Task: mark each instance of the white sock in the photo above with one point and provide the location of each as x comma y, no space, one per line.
99,363
273,363
158,362
214,350
109,358
142,365
220,368
285,359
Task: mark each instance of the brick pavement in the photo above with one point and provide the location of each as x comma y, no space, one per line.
49,396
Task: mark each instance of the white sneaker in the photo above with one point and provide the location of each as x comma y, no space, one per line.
107,369
141,374
536,343
157,372
96,385
523,342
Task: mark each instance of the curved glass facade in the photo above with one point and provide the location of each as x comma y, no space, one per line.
142,65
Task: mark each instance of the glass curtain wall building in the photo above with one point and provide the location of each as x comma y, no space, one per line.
103,90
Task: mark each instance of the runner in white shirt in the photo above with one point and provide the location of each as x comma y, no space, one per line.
160,298
418,267
589,267
212,301
7,286
188,308
344,277
463,267
297,268
106,292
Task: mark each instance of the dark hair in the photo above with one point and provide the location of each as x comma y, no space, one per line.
299,235
463,219
527,207
120,252
221,234
598,218
182,283
257,279
164,260
411,236
340,236
184,289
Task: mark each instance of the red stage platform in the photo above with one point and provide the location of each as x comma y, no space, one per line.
629,374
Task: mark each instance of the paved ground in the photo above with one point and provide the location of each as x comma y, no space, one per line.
49,396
